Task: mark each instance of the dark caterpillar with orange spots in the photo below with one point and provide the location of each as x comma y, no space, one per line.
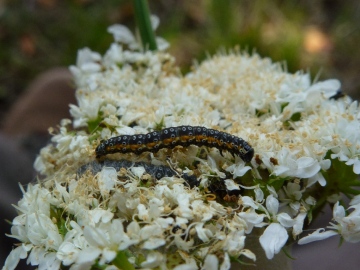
175,136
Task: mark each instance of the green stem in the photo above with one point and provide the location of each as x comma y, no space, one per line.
142,17
122,262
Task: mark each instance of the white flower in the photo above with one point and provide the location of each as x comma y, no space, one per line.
42,231
303,167
35,200
104,240
87,110
346,226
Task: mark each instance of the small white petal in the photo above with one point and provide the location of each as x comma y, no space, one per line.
226,264
356,167
121,33
189,265
153,243
328,87
316,178
138,171
272,205
325,164
307,167
203,233
100,214
355,200
248,202
231,185
259,194
162,44
249,254
14,257
299,223
272,191
285,220
88,255
153,259
155,21
338,211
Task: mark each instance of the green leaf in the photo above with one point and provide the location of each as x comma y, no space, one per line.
94,123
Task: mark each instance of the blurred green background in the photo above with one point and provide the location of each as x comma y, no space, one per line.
322,37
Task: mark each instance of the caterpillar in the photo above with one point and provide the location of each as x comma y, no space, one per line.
175,136
156,171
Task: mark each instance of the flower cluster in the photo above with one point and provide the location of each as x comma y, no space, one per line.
306,140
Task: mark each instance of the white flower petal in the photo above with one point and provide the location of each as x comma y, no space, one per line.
211,262
153,243
231,185
121,33
319,234
249,254
107,179
285,220
138,171
273,239
272,205
203,233
226,264
356,167
355,200
153,259
189,265
259,194
155,21
338,211
14,257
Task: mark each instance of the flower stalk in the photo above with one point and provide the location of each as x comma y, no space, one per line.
142,16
